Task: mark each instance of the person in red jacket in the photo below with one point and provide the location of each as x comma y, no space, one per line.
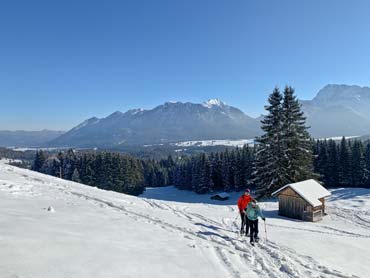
243,202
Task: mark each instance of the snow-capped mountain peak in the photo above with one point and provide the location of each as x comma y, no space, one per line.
214,102
135,111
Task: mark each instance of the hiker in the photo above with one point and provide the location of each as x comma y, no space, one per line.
242,205
252,213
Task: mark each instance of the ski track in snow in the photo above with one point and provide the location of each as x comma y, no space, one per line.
270,260
266,259
354,218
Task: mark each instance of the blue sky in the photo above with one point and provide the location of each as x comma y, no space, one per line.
64,61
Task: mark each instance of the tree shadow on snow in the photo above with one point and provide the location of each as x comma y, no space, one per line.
205,233
214,228
170,193
348,193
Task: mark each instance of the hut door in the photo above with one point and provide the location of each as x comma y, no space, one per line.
306,213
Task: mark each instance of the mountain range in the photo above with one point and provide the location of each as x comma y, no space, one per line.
170,122
336,110
339,110
22,138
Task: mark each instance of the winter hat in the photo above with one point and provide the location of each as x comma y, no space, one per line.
247,190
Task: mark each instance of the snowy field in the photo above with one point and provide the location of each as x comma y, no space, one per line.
168,233
207,143
338,138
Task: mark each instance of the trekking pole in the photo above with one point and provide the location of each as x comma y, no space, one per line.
265,231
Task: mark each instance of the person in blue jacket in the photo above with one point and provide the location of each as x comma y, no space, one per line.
252,213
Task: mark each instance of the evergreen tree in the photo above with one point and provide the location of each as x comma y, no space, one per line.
240,171
205,183
296,142
39,160
231,170
344,163
69,164
76,176
321,163
367,165
248,157
195,173
332,165
270,171
217,172
226,171
358,166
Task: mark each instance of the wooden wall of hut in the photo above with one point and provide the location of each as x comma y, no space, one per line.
294,206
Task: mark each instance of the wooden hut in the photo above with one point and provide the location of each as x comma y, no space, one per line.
302,200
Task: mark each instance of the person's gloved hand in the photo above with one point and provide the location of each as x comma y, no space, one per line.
263,218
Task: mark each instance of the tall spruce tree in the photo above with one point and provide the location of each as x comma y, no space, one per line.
226,171
367,165
357,165
205,184
322,161
217,172
39,161
296,142
270,171
344,163
285,149
76,176
332,165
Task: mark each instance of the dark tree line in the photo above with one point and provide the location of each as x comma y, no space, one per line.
230,170
345,163
227,171
106,170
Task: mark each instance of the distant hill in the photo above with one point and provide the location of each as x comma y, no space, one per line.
21,138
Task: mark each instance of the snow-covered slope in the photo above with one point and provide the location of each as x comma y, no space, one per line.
168,233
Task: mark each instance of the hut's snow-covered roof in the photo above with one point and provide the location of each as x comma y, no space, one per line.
223,195
310,190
